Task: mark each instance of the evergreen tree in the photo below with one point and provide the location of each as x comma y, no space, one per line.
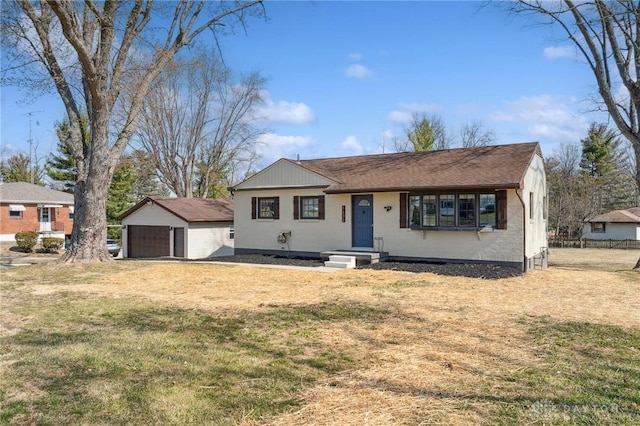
603,167
62,168
17,168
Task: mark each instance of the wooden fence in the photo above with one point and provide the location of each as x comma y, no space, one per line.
587,243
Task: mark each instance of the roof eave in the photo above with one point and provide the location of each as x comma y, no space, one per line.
423,188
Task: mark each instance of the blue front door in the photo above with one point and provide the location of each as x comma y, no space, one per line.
362,220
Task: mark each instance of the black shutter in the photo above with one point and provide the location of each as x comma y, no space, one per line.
296,207
276,207
403,210
501,209
321,207
254,207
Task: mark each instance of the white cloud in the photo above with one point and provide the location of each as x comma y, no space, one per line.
272,146
555,52
284,112
405,111
546,117
351,144
356,56
358,71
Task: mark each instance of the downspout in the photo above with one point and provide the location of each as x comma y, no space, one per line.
525,264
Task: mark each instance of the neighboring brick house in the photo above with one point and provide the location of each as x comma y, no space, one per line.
28,207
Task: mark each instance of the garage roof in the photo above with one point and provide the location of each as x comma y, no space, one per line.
190,209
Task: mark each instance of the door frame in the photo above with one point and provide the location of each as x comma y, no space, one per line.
355,199
45,226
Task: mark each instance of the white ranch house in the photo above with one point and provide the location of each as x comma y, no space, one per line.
482,204
614,225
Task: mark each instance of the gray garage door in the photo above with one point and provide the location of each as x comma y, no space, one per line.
148,241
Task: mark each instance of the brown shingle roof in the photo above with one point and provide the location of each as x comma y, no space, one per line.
631,215
24,192
500,166
191,209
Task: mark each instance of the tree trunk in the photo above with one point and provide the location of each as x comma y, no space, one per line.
89,234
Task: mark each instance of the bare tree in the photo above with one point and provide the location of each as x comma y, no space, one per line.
473,134
606,35
197,125
94,53
570,192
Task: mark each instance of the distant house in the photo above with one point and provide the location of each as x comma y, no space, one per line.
28,207
614,225
192,228
482,204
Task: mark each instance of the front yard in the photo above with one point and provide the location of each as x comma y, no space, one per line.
187,343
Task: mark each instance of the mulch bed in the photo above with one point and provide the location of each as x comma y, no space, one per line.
471,270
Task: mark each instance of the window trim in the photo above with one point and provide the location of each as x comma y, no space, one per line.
256,211
500,213
596,230
12,214
298,207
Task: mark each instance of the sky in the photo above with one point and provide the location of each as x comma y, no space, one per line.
343,78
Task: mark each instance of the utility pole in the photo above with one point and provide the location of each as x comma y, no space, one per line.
32,171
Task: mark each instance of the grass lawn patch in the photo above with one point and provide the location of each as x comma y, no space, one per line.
189,343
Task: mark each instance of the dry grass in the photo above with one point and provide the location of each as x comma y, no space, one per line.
446,351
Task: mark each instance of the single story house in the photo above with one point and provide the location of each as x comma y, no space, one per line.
28,207
192,228
481,204
614,225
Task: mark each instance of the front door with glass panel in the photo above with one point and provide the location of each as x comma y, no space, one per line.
45,219
362,221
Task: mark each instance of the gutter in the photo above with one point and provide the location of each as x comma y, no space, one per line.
524,234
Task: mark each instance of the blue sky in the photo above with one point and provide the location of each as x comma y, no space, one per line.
343,77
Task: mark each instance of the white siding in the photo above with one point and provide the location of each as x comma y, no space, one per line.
333,234
284,173
613,231
498,245
208,239
536,227
306,235
151,215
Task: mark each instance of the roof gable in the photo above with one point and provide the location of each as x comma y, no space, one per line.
285,173
24,192
190,209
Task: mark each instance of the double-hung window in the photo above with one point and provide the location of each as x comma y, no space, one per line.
308,207
265,207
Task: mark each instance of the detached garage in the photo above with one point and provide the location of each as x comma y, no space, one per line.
192,228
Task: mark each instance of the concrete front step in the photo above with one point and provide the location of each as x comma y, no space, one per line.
337,261
362,258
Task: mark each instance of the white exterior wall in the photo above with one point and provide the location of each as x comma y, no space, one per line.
497,245
306,235
152,215
209,239
536,227
613,231
332,234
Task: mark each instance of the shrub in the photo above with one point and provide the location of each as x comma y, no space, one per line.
26,240
52,245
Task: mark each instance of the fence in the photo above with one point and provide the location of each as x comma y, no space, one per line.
587,243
